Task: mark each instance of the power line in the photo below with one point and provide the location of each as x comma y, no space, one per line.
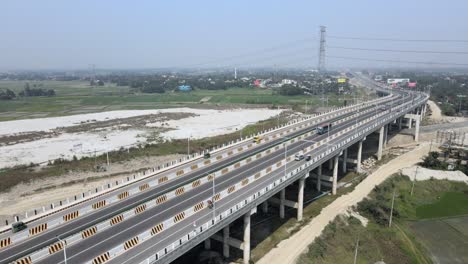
403,51
252,53
401,40
400,61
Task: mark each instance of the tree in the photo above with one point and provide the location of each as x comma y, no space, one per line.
7,94
290,90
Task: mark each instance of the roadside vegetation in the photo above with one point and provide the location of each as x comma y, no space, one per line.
438,161
396,244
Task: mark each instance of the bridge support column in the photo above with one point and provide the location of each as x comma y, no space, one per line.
300,199
359,156
208,244
379,151
410,122
345,159
385,136
319,177
265,207
335,175
247,238
282,199
225,241
400,120
416,131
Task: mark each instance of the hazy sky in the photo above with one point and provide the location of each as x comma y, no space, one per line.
151,34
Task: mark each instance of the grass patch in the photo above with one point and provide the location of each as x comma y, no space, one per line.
450,204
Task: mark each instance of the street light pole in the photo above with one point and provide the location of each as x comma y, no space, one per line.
64,249
188,146
213,199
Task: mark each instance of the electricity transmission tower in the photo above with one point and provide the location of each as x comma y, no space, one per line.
321,62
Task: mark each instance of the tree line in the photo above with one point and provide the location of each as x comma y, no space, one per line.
7,94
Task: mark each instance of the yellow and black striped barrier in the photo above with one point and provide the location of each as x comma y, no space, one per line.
161,199
144,187
122,195
37,229
198,206
180,173
140,209
156,229
89,232
179,217
70,216
180,191
99,204
116,219
163,179
102,258
55,247
26,260
131,243
5,242
196,183
245,182
194,167
231,189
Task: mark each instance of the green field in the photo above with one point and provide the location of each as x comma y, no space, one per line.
418,234
77,97
450,204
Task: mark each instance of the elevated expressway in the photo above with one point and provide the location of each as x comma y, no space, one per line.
159,217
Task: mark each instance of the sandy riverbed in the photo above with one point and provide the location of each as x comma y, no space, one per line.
96,132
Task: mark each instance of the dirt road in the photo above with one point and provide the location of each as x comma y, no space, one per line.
288,250
436,114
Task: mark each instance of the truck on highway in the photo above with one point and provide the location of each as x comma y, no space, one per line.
324,128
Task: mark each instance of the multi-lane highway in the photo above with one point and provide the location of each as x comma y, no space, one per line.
105,240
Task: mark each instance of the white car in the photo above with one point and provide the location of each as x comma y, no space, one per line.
299,157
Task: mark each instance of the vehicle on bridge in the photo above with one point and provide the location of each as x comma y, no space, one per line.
257,139
18,226
207,155
324,128
299,156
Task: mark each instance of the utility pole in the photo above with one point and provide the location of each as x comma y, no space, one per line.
356,251
414,180
391,209
321,62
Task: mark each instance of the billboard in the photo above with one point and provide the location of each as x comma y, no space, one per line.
395,81
341,80
412,84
